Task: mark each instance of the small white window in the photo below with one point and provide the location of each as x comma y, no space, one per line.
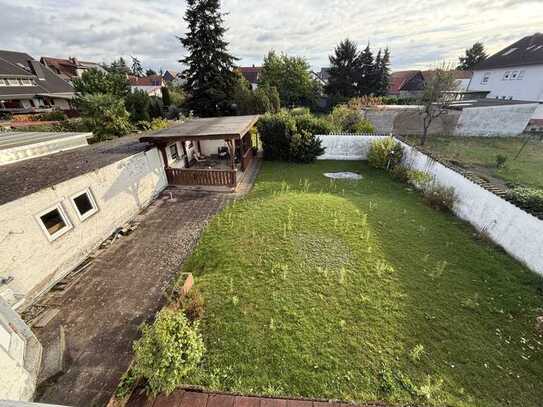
486,78
54,222
520,75
85,205
506,75
13,82
514,75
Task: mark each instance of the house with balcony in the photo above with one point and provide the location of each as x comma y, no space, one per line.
28,86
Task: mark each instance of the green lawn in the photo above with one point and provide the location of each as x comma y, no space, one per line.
358,291
481,152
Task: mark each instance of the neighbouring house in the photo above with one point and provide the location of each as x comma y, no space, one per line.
71,68
152,84
252,74
323,75
514,73
28,86
411,83
174,77
405,83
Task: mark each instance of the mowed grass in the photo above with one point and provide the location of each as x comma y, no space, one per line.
358,291
482,151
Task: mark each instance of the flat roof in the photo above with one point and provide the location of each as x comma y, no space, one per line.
205,128
27,177
12,139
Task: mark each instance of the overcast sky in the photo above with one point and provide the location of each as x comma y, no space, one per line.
419,33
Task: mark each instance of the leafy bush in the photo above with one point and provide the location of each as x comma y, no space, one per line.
305,147
157,123
300,111
276,132
312,124
94,82
419,179
385,153
50,116
193,304
282,139
168,351
501,160
350,120
401,173
72,125
527,197
155,107
105,115
440,197
166,99
137,104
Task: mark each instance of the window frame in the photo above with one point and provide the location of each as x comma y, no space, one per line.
69,226
520,75
486,78
90,196
506,76
514,75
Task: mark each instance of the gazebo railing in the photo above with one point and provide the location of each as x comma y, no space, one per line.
208,177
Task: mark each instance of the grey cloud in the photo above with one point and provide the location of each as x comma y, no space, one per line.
418,32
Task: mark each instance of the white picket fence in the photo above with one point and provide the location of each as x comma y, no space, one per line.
519,233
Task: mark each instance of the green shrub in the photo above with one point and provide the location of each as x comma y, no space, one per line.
50,116
276,132
137,104
193,304
527,197
300,111
126,384
305,147
501,160
419,179
350,120
440,197
168,351
72,125
105,115
157,123
314,125
385,153
401,173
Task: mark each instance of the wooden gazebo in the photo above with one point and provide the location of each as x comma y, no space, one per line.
233,130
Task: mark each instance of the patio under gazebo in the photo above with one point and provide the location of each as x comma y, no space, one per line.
212,152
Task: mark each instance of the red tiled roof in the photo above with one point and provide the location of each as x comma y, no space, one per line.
251,73
153,80
398,79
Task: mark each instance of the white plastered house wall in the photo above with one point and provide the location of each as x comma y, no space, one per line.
120,190
517,83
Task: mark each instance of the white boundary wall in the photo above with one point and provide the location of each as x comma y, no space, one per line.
121,190
519,233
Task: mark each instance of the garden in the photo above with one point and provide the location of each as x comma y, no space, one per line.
354,290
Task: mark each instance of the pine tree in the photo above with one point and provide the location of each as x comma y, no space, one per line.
210,79
119,66
136,69
367,72
344,71
473,56
383,70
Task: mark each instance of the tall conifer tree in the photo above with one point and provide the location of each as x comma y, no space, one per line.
209,75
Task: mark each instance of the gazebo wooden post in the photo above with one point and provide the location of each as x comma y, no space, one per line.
162,148
232,150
